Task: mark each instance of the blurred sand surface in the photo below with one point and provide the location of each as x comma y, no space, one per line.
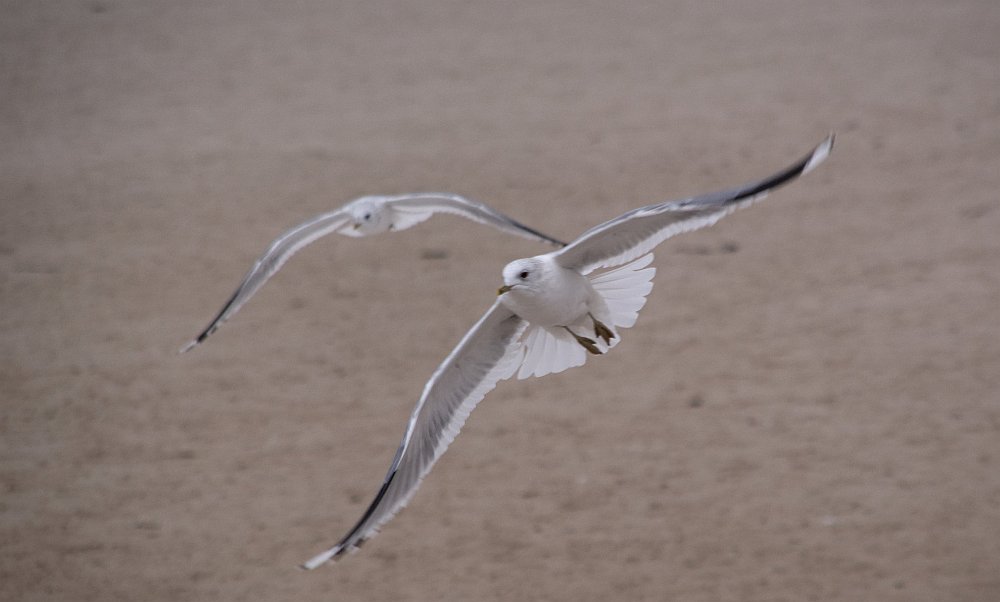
808,409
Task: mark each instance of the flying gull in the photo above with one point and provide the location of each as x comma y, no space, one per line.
550,314
362,217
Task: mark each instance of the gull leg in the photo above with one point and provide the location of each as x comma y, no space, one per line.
601,330
588,344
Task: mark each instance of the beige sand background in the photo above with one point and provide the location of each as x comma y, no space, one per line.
808,410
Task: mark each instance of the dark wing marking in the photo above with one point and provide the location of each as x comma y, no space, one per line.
637,232
489,353
415,208
280,251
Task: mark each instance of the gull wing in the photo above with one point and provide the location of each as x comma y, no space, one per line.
280,251
410,209
489,352
637,232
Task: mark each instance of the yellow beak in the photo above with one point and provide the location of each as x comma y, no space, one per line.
503,289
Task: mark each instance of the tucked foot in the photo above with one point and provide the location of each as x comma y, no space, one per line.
588,344
601,330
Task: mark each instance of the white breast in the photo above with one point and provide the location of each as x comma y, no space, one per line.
557,298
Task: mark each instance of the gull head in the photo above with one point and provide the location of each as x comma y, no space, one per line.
523,276
542,292
368,215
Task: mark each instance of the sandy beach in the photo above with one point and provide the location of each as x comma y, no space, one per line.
807,409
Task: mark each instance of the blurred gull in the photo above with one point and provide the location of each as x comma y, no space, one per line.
549,316
361,217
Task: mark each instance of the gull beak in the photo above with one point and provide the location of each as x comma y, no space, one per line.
356,225
503,289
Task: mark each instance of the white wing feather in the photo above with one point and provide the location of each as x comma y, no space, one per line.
489,352
280,251
411,209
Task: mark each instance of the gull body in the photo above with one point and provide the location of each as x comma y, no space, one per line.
542,321
369,215
542,292
558,302
365,216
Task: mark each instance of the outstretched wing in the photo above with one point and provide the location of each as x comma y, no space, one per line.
280,251
489,353
637,232
410,209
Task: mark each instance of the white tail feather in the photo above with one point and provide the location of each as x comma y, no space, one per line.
624,289
549,351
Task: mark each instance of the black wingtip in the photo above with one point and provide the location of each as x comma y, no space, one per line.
193,343
538,235
802,167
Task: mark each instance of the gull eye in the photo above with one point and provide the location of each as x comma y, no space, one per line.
368,216
523,275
